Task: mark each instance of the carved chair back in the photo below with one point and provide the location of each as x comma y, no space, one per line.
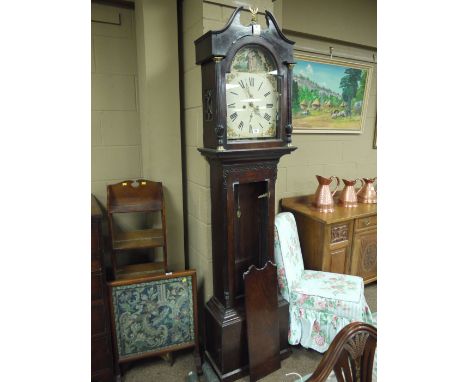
135,196
350,355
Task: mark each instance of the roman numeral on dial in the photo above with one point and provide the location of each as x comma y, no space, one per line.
241,125
251,81
232,105
241,83
267,117
233,116
269,105
267,94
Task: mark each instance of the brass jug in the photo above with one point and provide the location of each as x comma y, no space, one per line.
348,197
323,197
367,193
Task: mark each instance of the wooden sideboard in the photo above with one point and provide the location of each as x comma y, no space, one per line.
343,241
101,342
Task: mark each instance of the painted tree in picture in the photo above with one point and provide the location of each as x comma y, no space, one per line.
328,96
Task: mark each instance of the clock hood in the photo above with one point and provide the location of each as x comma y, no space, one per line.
218,43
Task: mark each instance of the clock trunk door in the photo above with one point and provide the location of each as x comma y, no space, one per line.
250,236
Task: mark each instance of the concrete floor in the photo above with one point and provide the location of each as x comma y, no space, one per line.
302,361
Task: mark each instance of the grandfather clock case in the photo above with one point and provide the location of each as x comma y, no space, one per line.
246,88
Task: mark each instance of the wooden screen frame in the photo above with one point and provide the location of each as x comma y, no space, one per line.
139,280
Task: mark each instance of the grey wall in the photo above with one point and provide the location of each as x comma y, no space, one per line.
346,20
115,125
158,90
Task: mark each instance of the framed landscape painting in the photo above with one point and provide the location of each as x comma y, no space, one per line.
329,96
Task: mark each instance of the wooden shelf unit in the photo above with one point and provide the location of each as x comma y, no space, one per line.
132,271
343,241
139,239
139,196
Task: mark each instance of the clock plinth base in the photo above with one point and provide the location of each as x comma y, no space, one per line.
226,338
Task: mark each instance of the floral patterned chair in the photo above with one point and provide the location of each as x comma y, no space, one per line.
320,303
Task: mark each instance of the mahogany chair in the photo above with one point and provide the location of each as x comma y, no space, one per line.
350,356
140,196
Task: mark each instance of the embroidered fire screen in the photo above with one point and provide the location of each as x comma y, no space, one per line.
154,315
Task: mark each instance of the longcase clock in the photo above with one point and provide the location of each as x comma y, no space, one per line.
246,89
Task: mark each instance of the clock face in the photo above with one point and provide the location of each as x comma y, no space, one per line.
252,95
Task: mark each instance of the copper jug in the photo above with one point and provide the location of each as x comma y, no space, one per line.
323,198
367,193
348,197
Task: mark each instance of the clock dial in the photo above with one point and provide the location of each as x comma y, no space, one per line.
252,96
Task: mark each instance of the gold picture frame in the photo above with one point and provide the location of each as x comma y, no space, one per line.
329,95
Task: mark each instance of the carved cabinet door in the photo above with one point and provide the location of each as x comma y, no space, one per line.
340,248
364,261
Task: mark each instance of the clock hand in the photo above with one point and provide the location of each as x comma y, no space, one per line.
251,98
257,110
248,92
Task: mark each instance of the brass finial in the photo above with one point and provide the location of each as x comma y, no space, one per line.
254,14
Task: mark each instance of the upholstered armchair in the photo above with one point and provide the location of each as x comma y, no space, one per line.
320,303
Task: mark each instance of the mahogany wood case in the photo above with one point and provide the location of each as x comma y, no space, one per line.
242,179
